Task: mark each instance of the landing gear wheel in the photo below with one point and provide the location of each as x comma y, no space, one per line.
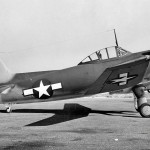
140,101
8,110
144,110
135,104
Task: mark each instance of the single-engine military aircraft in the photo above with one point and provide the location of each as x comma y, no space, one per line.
110,69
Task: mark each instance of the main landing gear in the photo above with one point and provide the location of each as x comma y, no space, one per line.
140,101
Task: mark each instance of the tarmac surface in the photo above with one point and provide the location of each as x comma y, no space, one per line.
79,124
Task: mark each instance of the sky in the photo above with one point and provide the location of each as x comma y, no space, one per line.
38,35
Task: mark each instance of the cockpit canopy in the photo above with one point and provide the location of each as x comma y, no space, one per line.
106,53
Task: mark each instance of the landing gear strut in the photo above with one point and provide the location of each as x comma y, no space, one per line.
140,101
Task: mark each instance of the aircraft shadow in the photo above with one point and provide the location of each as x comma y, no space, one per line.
70,111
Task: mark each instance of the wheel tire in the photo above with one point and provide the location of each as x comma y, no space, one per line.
8,110
144,110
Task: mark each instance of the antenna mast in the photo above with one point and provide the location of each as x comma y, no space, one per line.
116,38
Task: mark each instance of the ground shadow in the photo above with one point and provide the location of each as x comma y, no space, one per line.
70,111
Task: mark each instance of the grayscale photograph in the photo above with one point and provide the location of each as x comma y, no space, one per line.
74,74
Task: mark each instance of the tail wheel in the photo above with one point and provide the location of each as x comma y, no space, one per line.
144,110
8,110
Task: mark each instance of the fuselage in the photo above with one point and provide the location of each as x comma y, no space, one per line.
74,81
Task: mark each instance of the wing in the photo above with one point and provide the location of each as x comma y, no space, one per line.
120,77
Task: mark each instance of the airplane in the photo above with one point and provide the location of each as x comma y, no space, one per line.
111,69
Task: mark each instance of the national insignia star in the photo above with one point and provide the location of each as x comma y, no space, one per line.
42,89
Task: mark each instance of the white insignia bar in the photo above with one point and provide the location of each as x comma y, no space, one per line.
28,92
56,86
